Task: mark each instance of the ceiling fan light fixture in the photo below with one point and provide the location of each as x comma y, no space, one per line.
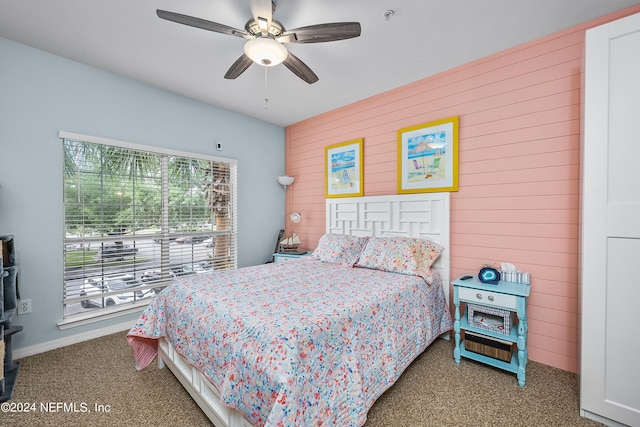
265,51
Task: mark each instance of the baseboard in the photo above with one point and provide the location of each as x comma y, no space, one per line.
73,339
600,419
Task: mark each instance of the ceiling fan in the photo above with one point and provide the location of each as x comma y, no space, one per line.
266,38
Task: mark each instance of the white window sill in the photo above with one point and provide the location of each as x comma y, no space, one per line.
100,315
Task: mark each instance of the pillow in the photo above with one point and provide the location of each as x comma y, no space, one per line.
339,249
404,255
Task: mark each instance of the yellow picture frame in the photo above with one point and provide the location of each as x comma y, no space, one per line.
344,169
428,157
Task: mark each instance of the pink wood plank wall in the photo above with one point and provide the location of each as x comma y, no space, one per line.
520,124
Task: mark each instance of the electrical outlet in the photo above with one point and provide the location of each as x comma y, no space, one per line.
24,306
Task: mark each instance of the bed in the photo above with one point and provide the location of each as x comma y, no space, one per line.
315,340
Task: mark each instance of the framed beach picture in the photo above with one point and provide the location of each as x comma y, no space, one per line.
343,169
428,157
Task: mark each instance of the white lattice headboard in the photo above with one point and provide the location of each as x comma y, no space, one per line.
424,215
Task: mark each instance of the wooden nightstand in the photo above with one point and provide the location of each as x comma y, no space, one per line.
504,296
288,256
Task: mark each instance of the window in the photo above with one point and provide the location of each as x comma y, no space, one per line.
138,218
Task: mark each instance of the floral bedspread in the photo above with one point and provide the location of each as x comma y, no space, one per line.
302,342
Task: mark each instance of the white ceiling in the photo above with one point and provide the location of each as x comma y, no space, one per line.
423,38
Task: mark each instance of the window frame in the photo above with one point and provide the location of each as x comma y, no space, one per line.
230,230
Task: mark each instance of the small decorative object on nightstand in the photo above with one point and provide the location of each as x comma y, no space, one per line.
289,255
488,321
291,243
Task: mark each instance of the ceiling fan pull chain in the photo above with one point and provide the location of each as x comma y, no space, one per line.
266,99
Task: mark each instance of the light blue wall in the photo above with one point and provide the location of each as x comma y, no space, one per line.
41,94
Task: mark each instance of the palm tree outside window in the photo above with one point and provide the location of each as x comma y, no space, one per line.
137,218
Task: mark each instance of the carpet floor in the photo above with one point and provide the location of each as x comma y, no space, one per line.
94,383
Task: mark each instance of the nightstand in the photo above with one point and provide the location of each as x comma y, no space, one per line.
288,256
505,297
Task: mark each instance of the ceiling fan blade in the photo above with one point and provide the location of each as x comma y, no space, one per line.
238,67
262,11
321,33
201,23
300,69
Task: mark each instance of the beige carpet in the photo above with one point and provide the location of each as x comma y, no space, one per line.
433,391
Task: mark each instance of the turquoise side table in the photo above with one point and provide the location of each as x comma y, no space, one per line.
504,295
288,256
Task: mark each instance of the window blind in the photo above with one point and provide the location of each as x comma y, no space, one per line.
137,218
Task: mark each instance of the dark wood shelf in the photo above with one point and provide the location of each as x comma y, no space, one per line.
10,376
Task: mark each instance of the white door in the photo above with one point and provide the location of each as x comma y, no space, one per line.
610,342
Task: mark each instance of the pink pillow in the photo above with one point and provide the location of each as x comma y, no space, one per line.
406,255
340,249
